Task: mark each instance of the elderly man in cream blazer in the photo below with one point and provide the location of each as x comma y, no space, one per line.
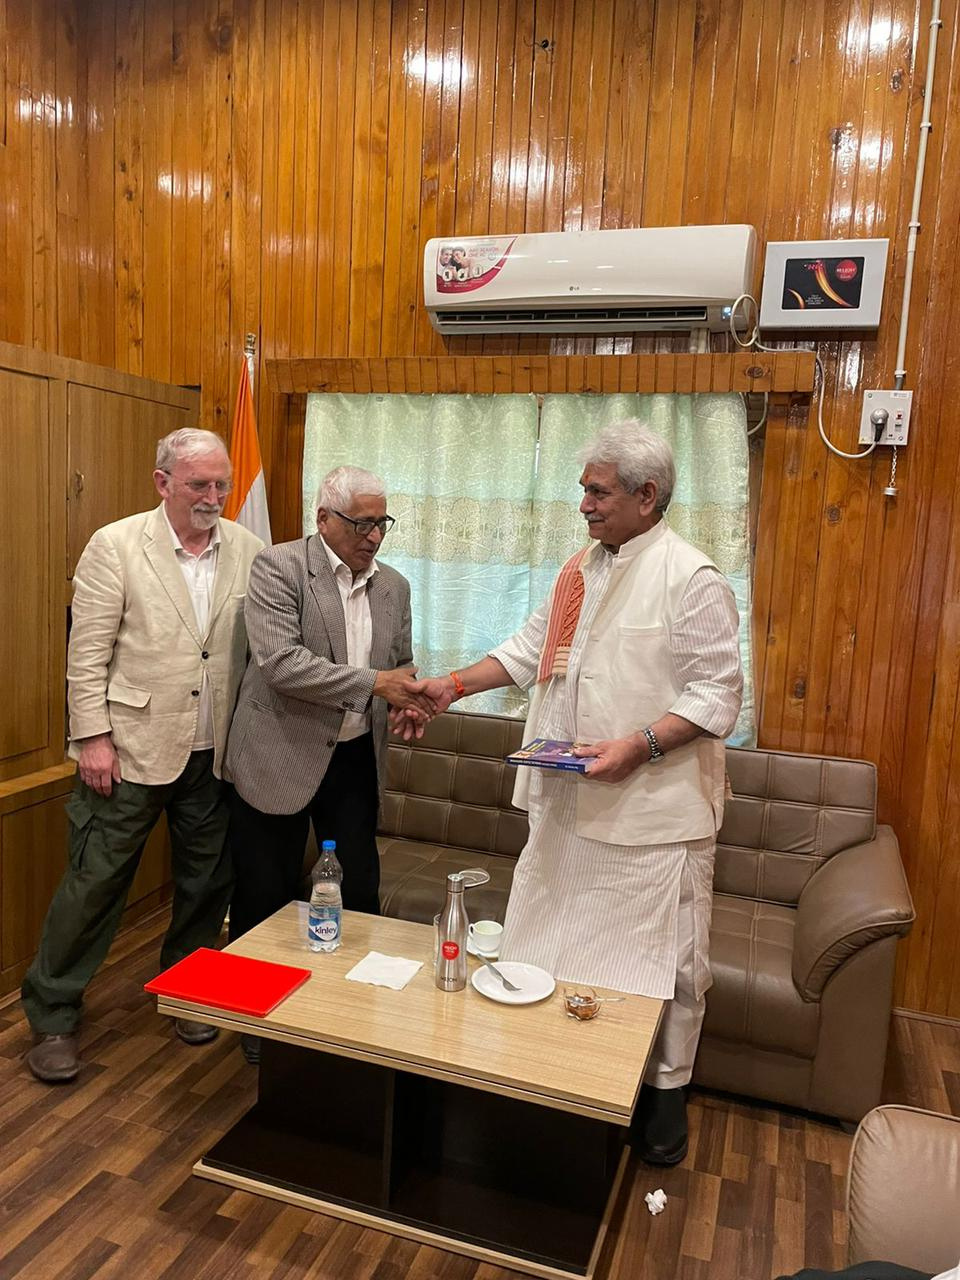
157,651
635,652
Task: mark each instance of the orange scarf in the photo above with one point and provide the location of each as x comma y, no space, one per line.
563,618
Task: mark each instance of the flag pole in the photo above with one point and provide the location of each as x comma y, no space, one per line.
250,351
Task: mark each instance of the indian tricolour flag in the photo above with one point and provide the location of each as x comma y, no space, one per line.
247,501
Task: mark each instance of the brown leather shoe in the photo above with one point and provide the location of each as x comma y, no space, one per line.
195,1032
53,1059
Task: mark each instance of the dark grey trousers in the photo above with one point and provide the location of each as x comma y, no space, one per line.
107,835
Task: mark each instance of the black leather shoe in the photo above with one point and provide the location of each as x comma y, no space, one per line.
250,1048
191,1032
659,1127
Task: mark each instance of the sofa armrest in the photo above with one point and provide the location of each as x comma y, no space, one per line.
903,1188
856,897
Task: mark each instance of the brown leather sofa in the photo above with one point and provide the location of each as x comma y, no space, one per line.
903,1190
810,899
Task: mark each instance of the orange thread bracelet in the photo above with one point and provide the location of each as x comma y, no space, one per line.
458,684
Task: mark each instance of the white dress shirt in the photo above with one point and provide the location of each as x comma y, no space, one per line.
356,616
199,573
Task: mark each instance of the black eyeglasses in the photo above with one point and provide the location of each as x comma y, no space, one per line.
365,527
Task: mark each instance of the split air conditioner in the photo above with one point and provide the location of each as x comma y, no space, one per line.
652,278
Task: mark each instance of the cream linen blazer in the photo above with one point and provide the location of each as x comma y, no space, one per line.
136,658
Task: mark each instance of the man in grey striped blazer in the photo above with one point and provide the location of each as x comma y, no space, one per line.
329,634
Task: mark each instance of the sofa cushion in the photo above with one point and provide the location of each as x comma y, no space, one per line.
787,815
452,787
414,880
753,999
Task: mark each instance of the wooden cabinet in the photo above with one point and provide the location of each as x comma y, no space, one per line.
32,641
111,448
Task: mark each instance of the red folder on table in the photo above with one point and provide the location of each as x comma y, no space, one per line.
223,980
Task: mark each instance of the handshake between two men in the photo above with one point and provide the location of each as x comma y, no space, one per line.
413,702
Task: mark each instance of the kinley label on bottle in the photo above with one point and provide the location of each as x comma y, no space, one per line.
325,928
449,950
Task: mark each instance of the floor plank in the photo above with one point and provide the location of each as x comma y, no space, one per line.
96,1181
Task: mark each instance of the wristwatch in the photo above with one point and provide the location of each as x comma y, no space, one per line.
656,753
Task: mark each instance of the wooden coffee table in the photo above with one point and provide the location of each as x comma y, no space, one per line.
493,1130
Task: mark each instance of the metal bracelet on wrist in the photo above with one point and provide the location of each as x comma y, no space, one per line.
656,751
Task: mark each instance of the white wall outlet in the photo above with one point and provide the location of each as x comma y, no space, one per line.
891,411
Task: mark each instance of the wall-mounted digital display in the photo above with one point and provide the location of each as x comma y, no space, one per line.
823,284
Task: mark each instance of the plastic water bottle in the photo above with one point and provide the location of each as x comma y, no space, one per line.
326,901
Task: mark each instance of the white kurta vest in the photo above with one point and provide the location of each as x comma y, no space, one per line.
627,680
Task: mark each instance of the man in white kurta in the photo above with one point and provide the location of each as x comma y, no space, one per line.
613,887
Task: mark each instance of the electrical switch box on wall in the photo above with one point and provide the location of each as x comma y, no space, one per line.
887,412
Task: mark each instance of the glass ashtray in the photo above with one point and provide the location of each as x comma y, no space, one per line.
582,1005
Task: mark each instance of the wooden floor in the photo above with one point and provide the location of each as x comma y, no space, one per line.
95,1177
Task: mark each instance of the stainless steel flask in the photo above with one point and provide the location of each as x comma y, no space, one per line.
451,966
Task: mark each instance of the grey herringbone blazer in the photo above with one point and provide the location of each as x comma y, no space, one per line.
297,685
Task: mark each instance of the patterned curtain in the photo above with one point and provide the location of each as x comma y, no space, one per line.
487,513
710,503
459,473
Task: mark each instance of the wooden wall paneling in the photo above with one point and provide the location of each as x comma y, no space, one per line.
726,86
694,191
395,230
15,160
538,139
205,35
315,177
361,90
560,62
344,56
927,747
851,518
158,167
301,262
128,186
225,355
518,192
96,203
426,75
379,287
246,184
405,257
66,244
914,556
43,177
4,82
330,163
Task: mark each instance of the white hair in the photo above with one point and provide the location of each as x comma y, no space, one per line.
340,486
187,443
639,455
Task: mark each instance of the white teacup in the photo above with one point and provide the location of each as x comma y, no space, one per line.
485,935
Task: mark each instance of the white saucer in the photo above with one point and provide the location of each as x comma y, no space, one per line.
535,984
490,955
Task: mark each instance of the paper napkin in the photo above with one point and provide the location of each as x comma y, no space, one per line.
384,971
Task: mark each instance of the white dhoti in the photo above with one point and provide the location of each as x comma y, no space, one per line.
634,918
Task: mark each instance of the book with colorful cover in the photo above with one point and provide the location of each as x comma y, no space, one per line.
548,753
